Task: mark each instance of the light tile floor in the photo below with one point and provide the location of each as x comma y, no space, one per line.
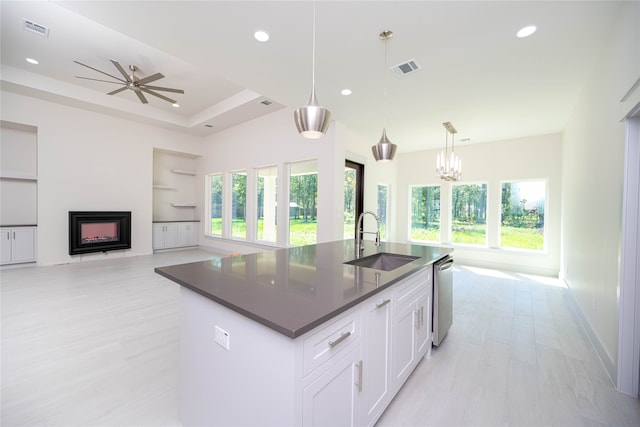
96,343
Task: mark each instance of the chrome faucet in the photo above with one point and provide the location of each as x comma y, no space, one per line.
361,232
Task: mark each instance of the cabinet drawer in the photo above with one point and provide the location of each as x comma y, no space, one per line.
329,341
406,292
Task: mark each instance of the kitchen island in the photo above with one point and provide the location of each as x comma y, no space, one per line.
296,337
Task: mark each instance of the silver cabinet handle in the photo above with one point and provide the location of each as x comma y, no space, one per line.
343,337
421,315
359,376
383,303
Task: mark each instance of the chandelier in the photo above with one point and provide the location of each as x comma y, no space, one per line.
448,164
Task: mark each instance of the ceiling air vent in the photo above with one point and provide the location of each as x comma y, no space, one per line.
405,68
266,102
36,28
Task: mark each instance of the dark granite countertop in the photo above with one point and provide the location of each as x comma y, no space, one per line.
293,290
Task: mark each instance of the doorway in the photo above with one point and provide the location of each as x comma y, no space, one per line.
353,196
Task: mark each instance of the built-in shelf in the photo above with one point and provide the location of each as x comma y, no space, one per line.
183,172
163,187
183,205
18,176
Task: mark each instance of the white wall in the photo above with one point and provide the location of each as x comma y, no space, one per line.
91,161
593,159
531,158
273,140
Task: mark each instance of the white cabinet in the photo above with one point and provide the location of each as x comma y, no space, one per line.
411,325
332,398
165,235
376,379
168,235
18,245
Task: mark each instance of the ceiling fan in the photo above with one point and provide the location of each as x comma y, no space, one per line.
133,82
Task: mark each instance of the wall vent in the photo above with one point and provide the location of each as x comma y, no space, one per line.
266,102
405,68
36,28
208,126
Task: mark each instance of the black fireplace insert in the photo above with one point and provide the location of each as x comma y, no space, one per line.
99,231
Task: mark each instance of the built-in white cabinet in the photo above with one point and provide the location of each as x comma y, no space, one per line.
18,245
168,235
411,324
376,390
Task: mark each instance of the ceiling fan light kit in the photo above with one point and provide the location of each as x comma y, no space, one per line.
312,120
134,83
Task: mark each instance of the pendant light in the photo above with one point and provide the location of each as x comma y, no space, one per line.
312,120
449,166
384,150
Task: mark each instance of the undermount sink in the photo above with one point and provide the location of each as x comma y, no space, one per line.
383,261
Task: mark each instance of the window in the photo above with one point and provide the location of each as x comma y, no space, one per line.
383,205
522,215
353,197
303,201
267,204
425,213
469,214
239,205
215,186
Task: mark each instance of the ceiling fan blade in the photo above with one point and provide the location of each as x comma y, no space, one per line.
102,72
98,80
141,97
166,89
122,71
113,92
150,92
151,78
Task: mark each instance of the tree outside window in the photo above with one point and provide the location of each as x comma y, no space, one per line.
469,214
215,185
239,205
522,215
303,203
425,213
383,203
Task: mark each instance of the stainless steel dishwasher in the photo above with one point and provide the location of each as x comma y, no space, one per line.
442,298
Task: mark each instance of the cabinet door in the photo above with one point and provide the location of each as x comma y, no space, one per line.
23,245
376,376
158,236
404,344
5,249
332,399
186,234
423,320
170,235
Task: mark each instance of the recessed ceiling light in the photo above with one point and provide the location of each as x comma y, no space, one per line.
261,36
346,92
526,31
32,61
176,105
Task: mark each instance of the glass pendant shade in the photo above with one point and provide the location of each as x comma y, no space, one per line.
312,120
384,150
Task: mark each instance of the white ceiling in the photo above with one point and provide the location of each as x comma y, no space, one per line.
474,72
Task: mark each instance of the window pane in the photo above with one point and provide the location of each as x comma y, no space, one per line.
522,219
469,214
303,195
425,213
350,190
267,206
383,203
215,184
239,205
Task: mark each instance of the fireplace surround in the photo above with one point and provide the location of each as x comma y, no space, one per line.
99,231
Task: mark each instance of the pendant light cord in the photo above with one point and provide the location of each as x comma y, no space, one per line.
313,50
386,82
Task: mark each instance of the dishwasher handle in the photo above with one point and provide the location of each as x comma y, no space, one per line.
448,265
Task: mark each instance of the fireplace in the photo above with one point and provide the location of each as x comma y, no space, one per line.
99,231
